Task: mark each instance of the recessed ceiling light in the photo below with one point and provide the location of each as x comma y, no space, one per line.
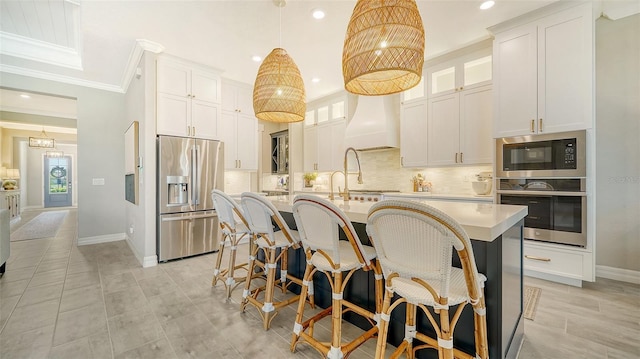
25,96
487,4
315,80
256,58
318,14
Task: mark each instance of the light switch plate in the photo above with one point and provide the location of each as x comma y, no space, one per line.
98,182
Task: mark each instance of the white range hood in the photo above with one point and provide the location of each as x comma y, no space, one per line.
375,123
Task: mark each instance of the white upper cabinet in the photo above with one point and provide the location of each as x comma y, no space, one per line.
543,79
324,129
238,128
237,97
188,99
414,93
463,72
413,132
453,126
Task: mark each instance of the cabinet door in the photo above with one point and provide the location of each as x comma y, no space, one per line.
227,134
515,81
173,115
443,130
337,145
247,142
310,149
326,154
476,117
244,100
565,73
413,134
205,86
173,78
204,119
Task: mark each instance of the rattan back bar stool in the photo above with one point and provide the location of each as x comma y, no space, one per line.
318,222
415,243
234,229
261,215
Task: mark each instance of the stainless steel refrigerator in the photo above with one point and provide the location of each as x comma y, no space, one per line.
188,170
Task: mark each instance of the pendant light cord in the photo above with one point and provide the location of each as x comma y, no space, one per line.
280,28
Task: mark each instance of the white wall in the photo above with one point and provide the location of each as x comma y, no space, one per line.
101,124
618,143
140,219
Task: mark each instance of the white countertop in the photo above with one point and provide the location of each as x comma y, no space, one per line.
431,195
421,195
482,221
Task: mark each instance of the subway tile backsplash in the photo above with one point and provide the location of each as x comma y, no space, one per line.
381,170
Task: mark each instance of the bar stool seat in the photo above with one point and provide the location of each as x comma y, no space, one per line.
234,229
415,243
319,222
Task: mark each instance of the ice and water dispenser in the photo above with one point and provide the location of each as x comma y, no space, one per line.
178,190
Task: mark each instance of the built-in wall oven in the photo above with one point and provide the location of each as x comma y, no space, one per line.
546,173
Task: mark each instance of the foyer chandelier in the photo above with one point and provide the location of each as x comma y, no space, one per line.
43,141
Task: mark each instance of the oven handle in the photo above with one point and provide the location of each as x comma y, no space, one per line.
543,193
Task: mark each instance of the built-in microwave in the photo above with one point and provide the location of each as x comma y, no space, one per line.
542,156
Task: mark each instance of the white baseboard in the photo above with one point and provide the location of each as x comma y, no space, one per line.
101,239
148,261
623,275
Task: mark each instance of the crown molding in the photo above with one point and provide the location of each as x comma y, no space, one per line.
41,51
139,48
59,78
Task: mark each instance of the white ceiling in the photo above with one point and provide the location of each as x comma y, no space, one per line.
221,34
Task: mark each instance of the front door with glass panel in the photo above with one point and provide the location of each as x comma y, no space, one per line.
57,182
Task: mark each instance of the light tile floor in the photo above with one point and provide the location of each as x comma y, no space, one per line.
58,300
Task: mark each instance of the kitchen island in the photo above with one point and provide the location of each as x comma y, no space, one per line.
496,234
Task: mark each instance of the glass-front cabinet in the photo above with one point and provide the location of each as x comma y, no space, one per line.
461,73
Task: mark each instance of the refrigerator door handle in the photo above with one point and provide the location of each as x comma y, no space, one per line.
196,175
194,185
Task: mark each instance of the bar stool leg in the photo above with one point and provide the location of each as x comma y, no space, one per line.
216,269
267,307
480,323
232,266
250,269
284,265
445,337
381,345
336,317
410,329
297,326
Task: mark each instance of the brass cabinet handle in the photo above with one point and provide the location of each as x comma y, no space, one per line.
461,161
194,130
456,157
188,130
540,125
532,125
239,163
541,259
401,161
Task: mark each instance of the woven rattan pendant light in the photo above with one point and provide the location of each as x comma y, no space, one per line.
384,47
278,93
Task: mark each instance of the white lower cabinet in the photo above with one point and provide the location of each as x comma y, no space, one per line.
556,262
10,200
459,128
239,132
